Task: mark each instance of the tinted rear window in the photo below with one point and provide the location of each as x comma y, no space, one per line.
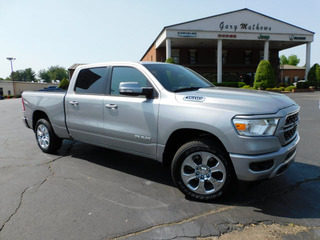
91,81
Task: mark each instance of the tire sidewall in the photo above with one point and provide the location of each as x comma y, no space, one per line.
200,146
53,140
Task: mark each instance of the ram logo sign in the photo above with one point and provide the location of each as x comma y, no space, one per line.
194,98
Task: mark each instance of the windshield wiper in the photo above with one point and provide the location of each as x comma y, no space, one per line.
186,89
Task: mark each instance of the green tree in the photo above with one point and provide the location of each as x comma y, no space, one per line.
44,75
314,75
26,75
265,76
283,60
64,84
291,60
53,73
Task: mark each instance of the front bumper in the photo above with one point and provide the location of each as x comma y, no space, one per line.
263,166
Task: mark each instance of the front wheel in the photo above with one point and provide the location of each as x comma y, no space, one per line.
46,138
202,170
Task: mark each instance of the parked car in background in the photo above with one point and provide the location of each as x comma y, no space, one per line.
51,88
299,81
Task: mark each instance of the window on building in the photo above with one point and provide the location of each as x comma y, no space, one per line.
286,79
192,56
296,78
9,92
175,54
126,74
91,81
248,57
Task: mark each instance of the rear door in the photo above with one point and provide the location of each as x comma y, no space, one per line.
85,106
130,121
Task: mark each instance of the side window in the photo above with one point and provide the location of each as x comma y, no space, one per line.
91,81
126,74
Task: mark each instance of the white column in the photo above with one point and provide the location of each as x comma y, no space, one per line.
219,61
308,57
266,51
168,48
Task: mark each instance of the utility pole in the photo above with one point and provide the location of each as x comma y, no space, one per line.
11,59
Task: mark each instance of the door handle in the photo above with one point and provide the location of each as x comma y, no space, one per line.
111,106
74,103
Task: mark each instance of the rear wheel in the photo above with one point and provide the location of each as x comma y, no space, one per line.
46,138
202,170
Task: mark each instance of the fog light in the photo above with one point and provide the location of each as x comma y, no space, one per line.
261,166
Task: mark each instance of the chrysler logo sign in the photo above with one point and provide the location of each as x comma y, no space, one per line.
187,34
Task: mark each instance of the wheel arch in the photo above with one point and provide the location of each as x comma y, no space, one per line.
38,115
182,136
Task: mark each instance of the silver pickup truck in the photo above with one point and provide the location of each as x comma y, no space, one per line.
210,136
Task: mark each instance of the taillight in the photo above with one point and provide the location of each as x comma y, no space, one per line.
23,107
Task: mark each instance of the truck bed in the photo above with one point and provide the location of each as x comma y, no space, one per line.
52,103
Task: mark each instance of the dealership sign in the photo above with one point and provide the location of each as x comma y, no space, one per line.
292,37
244,26
187,34
264,37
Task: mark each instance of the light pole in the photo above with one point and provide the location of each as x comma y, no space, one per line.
11,59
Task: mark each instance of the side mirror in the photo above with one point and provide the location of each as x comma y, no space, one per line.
134,89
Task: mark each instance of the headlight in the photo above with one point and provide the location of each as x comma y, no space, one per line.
256,127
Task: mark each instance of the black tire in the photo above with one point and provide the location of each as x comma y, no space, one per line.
46,138
202,170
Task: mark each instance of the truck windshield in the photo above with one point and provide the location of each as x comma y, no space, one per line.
175,78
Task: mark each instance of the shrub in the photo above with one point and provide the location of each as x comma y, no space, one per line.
170,60
265,76
247,87
289,89
282,88
241,84
284,84
314,75
64,84
273,89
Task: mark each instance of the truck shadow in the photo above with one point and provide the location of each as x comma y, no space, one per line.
122,162
295,194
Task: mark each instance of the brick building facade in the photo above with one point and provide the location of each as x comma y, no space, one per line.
229,46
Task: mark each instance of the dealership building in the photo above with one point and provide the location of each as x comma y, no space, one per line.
229,46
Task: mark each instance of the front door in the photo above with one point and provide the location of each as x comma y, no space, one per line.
130,121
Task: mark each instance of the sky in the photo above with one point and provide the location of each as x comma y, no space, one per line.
45,33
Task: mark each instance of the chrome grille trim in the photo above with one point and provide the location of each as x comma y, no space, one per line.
290,127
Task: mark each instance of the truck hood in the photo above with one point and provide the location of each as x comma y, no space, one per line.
238,100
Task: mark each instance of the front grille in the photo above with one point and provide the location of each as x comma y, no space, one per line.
290,127
292,119
290,133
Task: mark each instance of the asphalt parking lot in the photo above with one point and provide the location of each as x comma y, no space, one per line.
87,192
